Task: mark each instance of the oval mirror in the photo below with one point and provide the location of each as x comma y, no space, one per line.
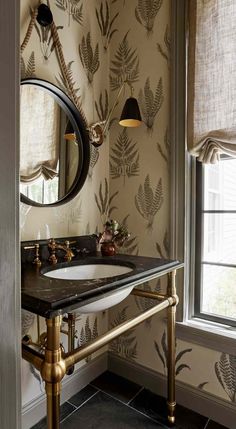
54,145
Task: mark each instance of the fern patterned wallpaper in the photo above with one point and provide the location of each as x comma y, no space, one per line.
139,181
129,174
78,29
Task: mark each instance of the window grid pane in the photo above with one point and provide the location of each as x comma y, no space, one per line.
216,288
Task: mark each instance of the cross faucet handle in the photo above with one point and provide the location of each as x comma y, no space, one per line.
52,249
36,260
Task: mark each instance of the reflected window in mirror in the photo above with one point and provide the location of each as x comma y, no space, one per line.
42,191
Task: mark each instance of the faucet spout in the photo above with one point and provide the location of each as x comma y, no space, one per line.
53,245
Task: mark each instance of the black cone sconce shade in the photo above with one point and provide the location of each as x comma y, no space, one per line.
44,16
130,116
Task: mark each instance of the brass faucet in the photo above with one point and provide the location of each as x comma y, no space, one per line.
36,260
53,245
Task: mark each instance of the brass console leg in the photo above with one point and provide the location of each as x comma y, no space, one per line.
52,371
171,312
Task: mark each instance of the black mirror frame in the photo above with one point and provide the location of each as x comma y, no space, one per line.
81,134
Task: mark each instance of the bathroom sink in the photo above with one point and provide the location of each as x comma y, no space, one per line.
88,272
91,272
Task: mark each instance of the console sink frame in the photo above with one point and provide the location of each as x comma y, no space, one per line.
53,364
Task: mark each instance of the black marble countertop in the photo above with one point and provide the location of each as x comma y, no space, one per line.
50,297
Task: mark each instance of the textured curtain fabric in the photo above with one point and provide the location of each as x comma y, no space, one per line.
39,134
212,79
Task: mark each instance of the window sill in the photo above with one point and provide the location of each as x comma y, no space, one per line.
221,338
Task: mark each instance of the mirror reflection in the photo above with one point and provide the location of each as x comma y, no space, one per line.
49,153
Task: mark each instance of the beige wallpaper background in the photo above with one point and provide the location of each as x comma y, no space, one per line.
134,164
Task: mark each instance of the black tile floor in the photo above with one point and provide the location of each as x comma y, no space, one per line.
112,402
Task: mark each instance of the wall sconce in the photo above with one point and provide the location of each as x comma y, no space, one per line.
69,132
130,117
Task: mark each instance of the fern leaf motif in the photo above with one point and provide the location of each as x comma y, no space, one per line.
28,70
95,329
126,344
130,246
225,371
202,385
37,375
102,106
103,201
105,24
165,152
47,45
114,1
125,65
88,333
89,57
74,9
151,103
94,157
165,242
82,339
181,367
144,304
69,87
163,356
166,50
124,158
149,202
27,320
146,12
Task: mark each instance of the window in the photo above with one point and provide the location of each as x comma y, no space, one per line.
215,268
203,222
41,191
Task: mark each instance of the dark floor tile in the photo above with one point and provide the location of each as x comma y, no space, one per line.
214,425
155,407
65,410
40,425
103,411
116,386
79,398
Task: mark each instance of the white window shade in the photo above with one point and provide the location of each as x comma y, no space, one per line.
39,134
212,79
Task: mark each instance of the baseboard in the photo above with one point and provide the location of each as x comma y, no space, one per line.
36,410
190,397
204,403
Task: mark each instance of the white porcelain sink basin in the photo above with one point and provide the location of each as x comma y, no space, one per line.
90,272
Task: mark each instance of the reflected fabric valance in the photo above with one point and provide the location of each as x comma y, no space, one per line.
212,79
39,135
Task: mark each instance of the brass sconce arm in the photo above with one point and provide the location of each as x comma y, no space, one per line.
130,116
106,124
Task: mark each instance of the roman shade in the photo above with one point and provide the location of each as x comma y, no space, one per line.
39,134
212,79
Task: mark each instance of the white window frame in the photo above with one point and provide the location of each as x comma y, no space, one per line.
183,192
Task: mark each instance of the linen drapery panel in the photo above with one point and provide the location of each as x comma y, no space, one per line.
39,135
212,79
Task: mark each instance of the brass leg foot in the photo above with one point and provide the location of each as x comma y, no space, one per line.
53,370
171,403
171,412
